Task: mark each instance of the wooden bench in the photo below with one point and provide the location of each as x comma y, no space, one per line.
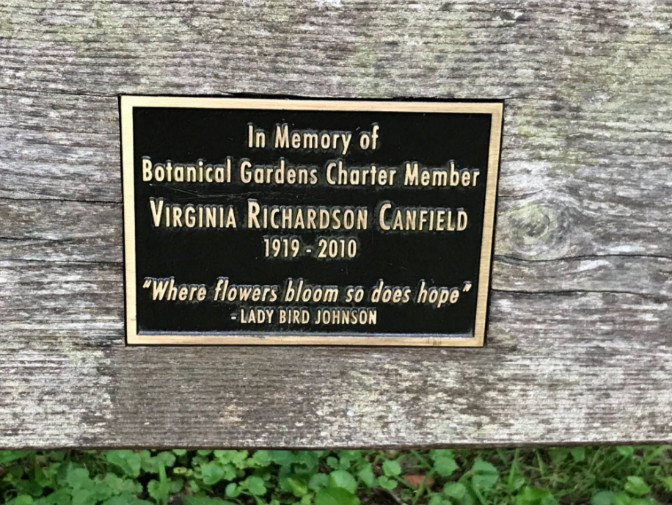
579,343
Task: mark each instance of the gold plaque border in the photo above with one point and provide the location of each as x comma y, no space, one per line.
128,102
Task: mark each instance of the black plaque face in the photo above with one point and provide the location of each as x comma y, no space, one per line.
255,221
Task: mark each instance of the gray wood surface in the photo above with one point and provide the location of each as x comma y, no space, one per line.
580,335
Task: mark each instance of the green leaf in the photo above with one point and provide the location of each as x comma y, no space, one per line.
365,474
176,485
622,499
318,481
644,501
29,487
333,463
232,490
236,458
128,461
441,453
517,482
626,451
179,452
8,456
335,496
558,455
455,490
151,464
578,453
229,472
83,497
344,461
44,476
157,491
342,479
485,474
255,485
212,473
77,477
282,458
535,496
437,500
24,499
298,487
117,485
60,497
445,466
126,500
636,486
261,458
602,498
386,482
204,500
667,482
392,468
307,461
283,477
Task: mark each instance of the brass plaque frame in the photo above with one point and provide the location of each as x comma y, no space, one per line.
128,103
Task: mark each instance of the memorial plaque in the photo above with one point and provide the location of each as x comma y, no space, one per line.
272,221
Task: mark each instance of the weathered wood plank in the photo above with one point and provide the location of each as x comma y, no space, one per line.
544,190
389,48
580,334
546,388
51,232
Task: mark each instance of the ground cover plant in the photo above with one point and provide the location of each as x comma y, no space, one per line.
627,475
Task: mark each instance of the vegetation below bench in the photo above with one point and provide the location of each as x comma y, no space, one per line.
623,475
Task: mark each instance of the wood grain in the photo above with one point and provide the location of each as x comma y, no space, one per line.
580,329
